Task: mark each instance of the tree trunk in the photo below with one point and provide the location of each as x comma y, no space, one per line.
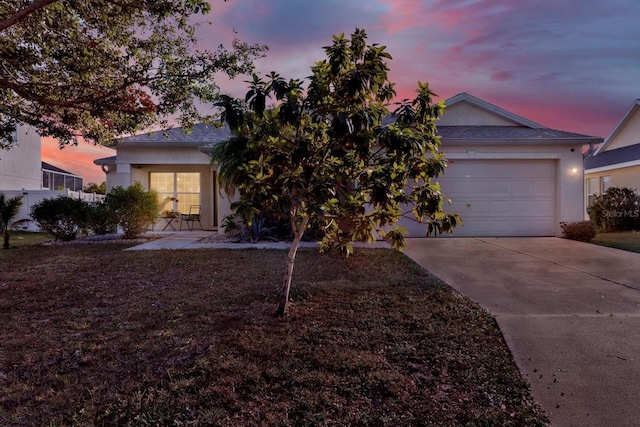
298,231
6,237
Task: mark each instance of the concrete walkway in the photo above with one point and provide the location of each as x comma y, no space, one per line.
569,311
193,240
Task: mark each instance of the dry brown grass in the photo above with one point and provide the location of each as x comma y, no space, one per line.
92,335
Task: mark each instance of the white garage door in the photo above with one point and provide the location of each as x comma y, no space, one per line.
498,198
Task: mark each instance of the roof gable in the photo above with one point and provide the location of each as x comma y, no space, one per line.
201,134
626,133
467,110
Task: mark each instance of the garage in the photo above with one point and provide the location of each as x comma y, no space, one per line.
507,175
499,198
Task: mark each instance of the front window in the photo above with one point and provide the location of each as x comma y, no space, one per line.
592,189
177,191
605,183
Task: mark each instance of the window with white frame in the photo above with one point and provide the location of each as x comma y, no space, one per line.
592,190
605,183
177,191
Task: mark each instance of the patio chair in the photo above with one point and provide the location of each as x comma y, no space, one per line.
192,217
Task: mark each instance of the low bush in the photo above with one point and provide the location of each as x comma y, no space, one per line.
616,210
133,208
583,231
63,218
101,219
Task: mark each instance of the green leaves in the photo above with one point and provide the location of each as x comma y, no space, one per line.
327,155
102,69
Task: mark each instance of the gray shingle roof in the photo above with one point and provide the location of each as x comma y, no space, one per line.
612,157
50,167
201,134
510,133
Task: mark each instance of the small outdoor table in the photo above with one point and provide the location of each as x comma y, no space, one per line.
169,220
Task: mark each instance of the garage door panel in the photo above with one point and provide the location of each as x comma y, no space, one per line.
499,197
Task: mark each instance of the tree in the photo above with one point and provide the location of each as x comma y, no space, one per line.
92,187
326,154
8,210
105,68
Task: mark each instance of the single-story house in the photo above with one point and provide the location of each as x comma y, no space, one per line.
507,175
616,163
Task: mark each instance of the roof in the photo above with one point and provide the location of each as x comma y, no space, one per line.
105,161
510,134
50,167
634,106
617,157
490,108
201,134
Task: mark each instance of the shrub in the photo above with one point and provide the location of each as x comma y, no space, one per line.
101,220
616,210
63,218
134,208
583,231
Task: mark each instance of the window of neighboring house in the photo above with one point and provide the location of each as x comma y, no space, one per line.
177,191
592,190
605,183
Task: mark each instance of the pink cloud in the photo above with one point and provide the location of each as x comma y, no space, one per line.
76,159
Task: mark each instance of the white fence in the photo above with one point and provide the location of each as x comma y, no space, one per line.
31,197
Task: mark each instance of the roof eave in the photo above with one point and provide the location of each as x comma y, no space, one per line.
520,141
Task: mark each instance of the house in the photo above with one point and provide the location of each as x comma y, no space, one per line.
177,166
507,175
54,178
20,166
616,162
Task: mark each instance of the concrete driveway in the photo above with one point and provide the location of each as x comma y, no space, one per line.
569,311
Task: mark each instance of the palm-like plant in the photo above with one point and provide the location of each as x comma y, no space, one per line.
8,210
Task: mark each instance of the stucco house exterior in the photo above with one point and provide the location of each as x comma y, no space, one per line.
507,175
20,166
616,163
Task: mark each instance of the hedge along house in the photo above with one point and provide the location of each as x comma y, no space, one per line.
507,175
616,163
177,166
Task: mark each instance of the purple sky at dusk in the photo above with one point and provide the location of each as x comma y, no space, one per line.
572,65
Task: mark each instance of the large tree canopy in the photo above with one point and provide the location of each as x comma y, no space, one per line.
100,69
324,153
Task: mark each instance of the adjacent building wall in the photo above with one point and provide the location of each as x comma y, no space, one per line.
20,166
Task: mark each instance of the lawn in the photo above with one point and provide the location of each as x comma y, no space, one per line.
93,335
627,240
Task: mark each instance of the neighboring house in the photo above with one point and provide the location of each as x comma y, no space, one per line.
616,163
54,178
20,166
507,175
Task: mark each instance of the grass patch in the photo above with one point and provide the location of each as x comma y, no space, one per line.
626,240
92,335
19,239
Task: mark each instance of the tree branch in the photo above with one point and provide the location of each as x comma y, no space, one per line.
22,14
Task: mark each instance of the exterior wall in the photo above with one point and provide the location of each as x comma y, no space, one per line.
21,166
628,135
569,186
463,114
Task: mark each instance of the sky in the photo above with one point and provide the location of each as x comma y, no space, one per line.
572,65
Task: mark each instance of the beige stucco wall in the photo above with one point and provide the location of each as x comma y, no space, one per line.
569,172
21,166
624,177
628,135
463,114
